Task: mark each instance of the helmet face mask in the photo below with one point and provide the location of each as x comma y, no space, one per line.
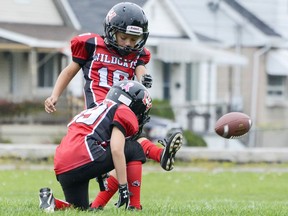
127,18
134,95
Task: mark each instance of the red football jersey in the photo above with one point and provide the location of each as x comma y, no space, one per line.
89,131
101,67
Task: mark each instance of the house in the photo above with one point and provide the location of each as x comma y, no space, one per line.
208,57
34,35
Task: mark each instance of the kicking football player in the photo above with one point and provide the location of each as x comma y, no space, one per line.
105,60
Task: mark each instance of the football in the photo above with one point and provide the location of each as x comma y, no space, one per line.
233,125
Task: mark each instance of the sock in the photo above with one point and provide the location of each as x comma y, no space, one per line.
134,178
103,197
151,150
61,204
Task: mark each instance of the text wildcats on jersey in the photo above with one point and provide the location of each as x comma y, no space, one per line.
100,57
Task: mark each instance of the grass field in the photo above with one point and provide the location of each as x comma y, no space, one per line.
190,189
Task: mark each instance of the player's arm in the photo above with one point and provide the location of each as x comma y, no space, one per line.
117,143
140,71
126,124
62,81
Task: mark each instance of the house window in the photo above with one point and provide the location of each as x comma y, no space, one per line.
49,66
167,67
277,87
192,82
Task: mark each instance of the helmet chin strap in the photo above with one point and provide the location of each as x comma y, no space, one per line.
124,51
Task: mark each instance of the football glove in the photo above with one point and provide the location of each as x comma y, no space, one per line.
124,196
146,80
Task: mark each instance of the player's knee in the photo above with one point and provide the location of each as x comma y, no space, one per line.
135,152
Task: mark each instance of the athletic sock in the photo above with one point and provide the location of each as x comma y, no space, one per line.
61,204
134,178
151,150
103,197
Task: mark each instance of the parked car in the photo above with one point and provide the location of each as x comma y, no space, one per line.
158,128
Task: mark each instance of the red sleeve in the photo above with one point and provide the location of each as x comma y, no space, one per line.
83,46
144,58
126,121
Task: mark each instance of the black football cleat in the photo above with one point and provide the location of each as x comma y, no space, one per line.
172,145
47,201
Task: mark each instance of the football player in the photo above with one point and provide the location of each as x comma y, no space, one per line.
97,142
119,54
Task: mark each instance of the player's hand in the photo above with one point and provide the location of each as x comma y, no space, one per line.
146,80
50,103
124,196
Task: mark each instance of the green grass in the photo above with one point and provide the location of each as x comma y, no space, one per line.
205,192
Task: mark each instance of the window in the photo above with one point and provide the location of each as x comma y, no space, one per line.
277,87
167,67
49,66
192,82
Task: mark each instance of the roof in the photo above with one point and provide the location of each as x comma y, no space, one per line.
31,35
44,32
91,13
209,22
205,38
39,35
6,41
252,18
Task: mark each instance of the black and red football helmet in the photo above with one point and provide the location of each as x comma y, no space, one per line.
128,18
134,95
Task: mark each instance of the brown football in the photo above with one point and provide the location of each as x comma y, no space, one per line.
233,125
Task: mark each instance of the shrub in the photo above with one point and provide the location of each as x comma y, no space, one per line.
11,109
162,108
193,139
5,141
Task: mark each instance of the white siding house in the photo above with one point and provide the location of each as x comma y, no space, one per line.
33,37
